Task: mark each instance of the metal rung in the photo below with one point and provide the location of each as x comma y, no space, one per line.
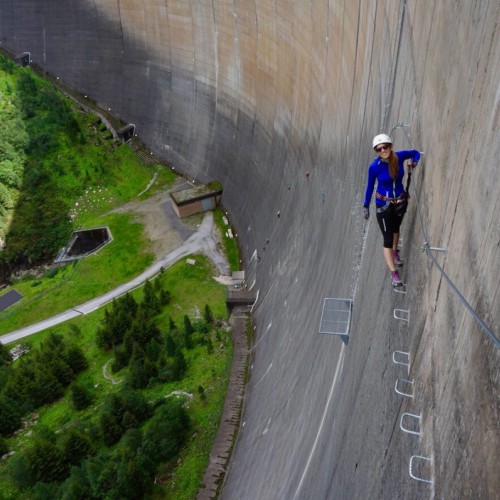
410,469
405,429
400,392
402,314
404,363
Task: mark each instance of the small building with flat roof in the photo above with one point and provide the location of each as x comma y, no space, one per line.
196,199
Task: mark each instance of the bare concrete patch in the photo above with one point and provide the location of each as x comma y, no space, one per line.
224,280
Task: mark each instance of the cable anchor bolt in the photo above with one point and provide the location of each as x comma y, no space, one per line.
426,247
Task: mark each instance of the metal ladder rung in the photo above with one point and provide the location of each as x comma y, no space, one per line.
400,362
400,392
410,469
402,314
418,418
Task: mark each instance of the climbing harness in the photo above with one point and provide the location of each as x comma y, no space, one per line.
395,201
402,198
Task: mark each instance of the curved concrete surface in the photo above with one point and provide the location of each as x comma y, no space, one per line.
257,93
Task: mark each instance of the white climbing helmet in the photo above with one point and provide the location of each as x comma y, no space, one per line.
381,139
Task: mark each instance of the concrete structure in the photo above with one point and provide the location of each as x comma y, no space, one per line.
279,101
127,133
193,200
9,298
238,297
83,243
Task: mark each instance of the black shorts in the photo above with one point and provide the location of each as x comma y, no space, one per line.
390,221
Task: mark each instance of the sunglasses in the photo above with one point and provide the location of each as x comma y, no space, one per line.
382,148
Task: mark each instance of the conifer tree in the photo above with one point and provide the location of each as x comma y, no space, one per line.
75,446
122,358
210,346
75,358
5,356
166,431
61,371
4,447
171,325
80,396
179,365
165,297
188,331
110,428
150,301
45,388
137,376
10,416
208,316
45,462
130,304
170,345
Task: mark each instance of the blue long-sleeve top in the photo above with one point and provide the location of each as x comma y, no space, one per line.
386,186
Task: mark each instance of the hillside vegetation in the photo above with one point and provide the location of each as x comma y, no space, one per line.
55,161
124,402
103,405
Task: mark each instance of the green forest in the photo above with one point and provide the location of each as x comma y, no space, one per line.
115,450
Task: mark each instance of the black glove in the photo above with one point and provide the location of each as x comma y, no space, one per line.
366,213
412,165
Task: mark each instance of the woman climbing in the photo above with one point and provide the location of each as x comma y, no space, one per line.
391,198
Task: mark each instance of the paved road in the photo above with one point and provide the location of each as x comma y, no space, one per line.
201,241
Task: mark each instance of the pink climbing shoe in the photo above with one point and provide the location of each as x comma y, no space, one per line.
396,280
397,259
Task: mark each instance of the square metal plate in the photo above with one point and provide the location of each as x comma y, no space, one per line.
336,316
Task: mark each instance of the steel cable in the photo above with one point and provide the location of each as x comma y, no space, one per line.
427,249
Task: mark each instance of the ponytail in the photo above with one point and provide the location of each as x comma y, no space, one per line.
393,165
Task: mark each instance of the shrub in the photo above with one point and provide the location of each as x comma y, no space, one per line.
165,433
5,356
10,416
80,397
44,461
4,447
76,446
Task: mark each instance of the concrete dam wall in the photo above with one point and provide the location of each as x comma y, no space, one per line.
279,101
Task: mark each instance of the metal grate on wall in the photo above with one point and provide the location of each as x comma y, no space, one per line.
336,317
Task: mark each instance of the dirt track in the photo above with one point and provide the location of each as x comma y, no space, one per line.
165,231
